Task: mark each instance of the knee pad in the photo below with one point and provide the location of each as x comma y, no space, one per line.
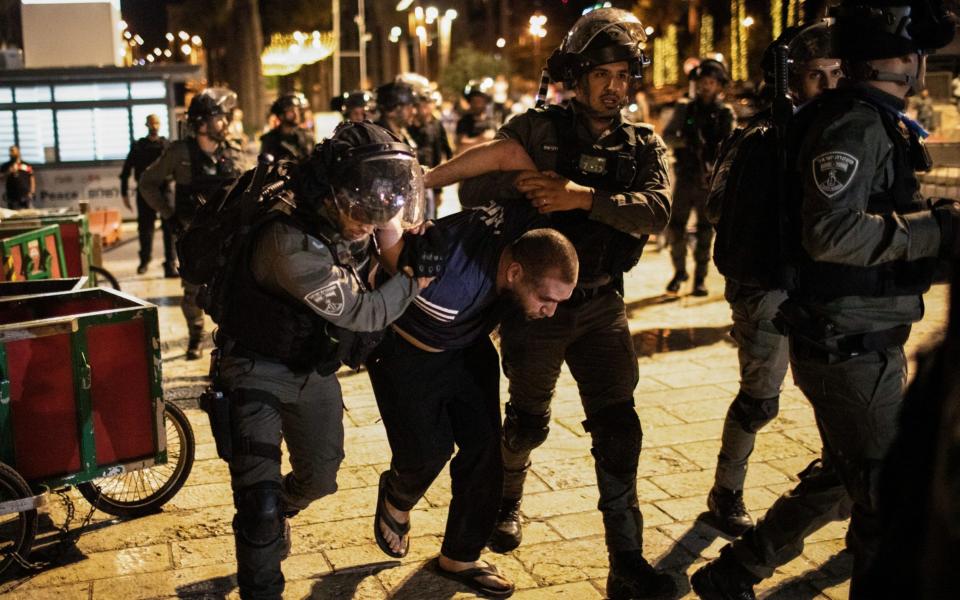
754,413
259,518
523,431
617,438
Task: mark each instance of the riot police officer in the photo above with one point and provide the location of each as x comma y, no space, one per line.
427,131
355,106
753,292
863,246
297,305
199,165
476,126
605,185
396,102
288,139
695,132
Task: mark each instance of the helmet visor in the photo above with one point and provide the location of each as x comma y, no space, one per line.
381,187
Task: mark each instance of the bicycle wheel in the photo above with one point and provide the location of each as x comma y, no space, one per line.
144,491
105,275
18,529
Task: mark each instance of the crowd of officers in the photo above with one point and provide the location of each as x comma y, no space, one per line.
349,266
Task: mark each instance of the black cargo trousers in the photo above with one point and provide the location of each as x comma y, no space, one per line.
589,332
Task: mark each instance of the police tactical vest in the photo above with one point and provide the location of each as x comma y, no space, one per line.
274,325
807,278
207,176
601,249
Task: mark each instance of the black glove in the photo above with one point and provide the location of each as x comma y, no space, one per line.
425,254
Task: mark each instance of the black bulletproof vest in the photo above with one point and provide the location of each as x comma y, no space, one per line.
601,249
202,183
812,279
276,325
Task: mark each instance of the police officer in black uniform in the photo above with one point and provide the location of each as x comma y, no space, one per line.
355,106
695,132
477,125
142,154
604,182
295,307
200,165
862,247
396,102
288,139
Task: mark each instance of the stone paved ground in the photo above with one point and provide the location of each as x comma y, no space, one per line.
688,374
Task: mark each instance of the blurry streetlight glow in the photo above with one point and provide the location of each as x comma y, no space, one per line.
418,13
648,30
167,53
157,51
183,35
127,35
138,39
536,26
404,4
432,14
196,40
121,25
450,14
395,31
186,49
748,22
169,36
501,43
150,58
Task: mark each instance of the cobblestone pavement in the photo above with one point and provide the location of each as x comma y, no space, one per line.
688,375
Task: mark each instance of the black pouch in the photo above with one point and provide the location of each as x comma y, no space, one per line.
217,406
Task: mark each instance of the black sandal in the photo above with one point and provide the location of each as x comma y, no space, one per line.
401,529
472,578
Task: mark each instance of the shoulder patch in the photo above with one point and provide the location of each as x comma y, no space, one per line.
327,300
833,172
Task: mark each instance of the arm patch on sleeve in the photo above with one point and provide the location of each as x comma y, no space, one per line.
833,172
327,300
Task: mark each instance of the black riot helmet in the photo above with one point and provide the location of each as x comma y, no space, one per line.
288,101
370,174
875,29
804,43
418,83
355,99
211,102
602,36
710,67
394,94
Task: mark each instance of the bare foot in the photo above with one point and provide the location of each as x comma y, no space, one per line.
396,543
455,566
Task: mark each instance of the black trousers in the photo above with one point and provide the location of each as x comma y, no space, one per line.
688,196
146,223
430,401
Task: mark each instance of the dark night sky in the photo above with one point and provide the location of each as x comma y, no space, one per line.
146,17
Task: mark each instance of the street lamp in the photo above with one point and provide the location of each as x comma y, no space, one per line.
537,32
403,5
432,14
501,43
747,22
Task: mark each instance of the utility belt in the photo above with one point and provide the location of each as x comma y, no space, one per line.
840,348
583,294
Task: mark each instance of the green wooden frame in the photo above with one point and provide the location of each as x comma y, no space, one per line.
76,326
61,218
24,238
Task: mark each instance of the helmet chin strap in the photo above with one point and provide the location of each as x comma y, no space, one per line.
911,80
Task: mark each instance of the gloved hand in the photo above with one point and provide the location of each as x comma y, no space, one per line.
425,254
948,217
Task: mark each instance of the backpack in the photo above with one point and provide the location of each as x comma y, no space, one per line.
745,206
209,248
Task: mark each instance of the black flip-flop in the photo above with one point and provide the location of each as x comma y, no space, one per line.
401,529
472,579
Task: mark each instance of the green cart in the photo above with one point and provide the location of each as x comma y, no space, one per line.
32,253
81,405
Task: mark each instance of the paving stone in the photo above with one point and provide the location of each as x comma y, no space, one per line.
682,379
157,529
565,561
308,565
679,434
663,460
203,552
202,496
370,554
210,581
353,584
688,509
809,436
75,591
107,565
574,591
672,397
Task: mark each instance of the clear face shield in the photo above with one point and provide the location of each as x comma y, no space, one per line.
383,187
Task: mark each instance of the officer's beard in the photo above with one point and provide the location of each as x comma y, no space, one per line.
607,114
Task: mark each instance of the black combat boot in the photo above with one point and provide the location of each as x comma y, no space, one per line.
729,513
170,270
724,579
674,286
632,577
142,268
194,351
508,532
699,287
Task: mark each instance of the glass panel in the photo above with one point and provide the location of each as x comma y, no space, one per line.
90,92
143,90
140,112
112,130
35,128
37,93
75,128
6,95
6,133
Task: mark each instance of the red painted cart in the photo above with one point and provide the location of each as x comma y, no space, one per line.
81,404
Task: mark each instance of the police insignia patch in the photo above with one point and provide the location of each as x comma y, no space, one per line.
327,300
833,172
